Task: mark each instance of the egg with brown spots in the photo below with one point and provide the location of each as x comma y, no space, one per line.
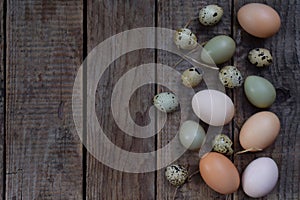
192,77
176,174
210,15
222,144
260,57
185,39
231,77
166,102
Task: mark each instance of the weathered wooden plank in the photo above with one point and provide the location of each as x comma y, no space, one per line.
44,50
284,74
107,18
2,138
174,15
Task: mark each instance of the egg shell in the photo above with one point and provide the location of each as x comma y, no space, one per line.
230,77
260,177
166,102
259,91
185,39
259,20
192,77
218,50
260,57
191,135
219,173
210,15
260,130
222,144
213,107
176,174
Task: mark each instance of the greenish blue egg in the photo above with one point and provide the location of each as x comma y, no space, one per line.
218,50
191,135
259,91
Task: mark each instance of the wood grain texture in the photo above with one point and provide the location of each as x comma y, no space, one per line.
2,137
174,15
107,18
44,50
284,74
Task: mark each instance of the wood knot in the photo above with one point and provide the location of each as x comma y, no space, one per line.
282,94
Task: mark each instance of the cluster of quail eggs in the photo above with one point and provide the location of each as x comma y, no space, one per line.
259,91
216,51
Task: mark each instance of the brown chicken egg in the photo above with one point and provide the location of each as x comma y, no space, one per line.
259,20
259,131
219,173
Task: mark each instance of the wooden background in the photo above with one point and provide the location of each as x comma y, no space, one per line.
43,43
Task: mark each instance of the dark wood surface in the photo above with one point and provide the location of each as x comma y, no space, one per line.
44,50
43,157
2,105
105,19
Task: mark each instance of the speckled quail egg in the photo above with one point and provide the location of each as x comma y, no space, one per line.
166,102
176,174
230,77
210,15
185,39
192,77
260,57
222,144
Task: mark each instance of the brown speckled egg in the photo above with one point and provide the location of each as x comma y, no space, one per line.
260,57
192,77
166,102
230,77
185,39
210,15
176,174
222,144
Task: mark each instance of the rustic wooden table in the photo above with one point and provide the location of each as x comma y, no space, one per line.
43,43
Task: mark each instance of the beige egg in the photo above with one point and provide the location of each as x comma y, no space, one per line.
259,131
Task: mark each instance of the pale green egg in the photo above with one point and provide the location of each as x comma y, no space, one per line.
191,135
218,50
259,91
